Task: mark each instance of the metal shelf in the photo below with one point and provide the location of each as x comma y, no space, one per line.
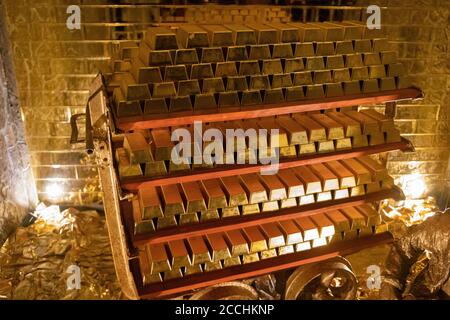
133,184
216,115
179,286
239,222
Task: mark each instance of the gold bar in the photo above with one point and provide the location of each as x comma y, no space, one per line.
192,36
294,93
201,71
140,225
250,209
160,38
173,204
193,197
340,75
271,66
265,34
228,99
325,225
277,191
353,60
306,199
256,192
352,31
166,222
273,96
380,44
273,234
328,179
225,69
315,63
370,85
151,57
319,242
334,62
293,65
137,147
386,123
357,220
373,187
187,56
309,32
232,261
218,247
125,108
175,73
307,148
211,55
149,203
230,212
242,35
188,218
161,144
286,33
305,49
180,104
302,78
269,206
379,172
237,242
238,83
255,238
179,254
388,57
249,67
387,83
143,74
334,89
325,146
308,228
196,268
361,173
282,50
214,195
312,182
126,169
324,196
237,53
211,266
212,214
362,45
249,258
351,87
172,274
204,101
340,221
251,97
291,232
345,176
371,59
372,216
188,87
285,250
303,246
322,76
219,35
147,277
368,124
340,194
325,48
293,184
198,250
159,261
334,130
288,203
333,32
163,90
351,127
315,131
258,52
212,85
357,191
266,254
280,81
359,73
260,82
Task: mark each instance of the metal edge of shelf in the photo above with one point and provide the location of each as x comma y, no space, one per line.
232,223
186,284
185,118
133,184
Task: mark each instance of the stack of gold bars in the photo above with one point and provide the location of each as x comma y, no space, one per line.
196,67
207,68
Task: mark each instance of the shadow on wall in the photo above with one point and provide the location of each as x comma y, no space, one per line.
17,188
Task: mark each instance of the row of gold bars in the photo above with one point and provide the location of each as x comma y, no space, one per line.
148,152
179,258
197,201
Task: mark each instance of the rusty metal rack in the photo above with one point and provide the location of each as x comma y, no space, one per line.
102,128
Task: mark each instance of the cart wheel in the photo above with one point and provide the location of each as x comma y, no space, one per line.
328,280
227,291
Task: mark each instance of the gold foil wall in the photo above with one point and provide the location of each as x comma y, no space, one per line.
54,66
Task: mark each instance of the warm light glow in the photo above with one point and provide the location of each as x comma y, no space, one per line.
413,185
54,190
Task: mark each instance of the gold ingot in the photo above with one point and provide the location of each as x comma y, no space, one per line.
380,44
143,74
393,136
242,35
302,78
324,196
166,222
388,57
199,250
344,47
219,35
188,218
353,60
319,242
204,101
376,138
342,144
340,194
193,269
187,56
357,191
340,75
288,203
333,90
163,90
126,169
360,141
249,258
154,57
228,99
211,266
371,59
201,71
266,254
387,83
362,45
351,235
306,199
373,217
288,152
273,96
373,187
247,68
251,97
334,62
265,34
315,91
224,69
303,246
230,212
352,30
151,278
155,168
403,82
155,105
250,209
232,261
179,167
351,127
259,52
381,228
272,66
172,274
296,133
160,38
212,55
281,50
322,76
316,132
212,85
175,73
286,33
238,83
219,247
360,73
285,250
294,93
377,71
357,219
309,229
145,226
333,129
308,148
309,32
325,48
351,87
132,90
339,220
315,63
137,148
180,103
325,146
259,82
364,232
157,256
304,49
269,206
192,36
237,53
188,87
125,108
